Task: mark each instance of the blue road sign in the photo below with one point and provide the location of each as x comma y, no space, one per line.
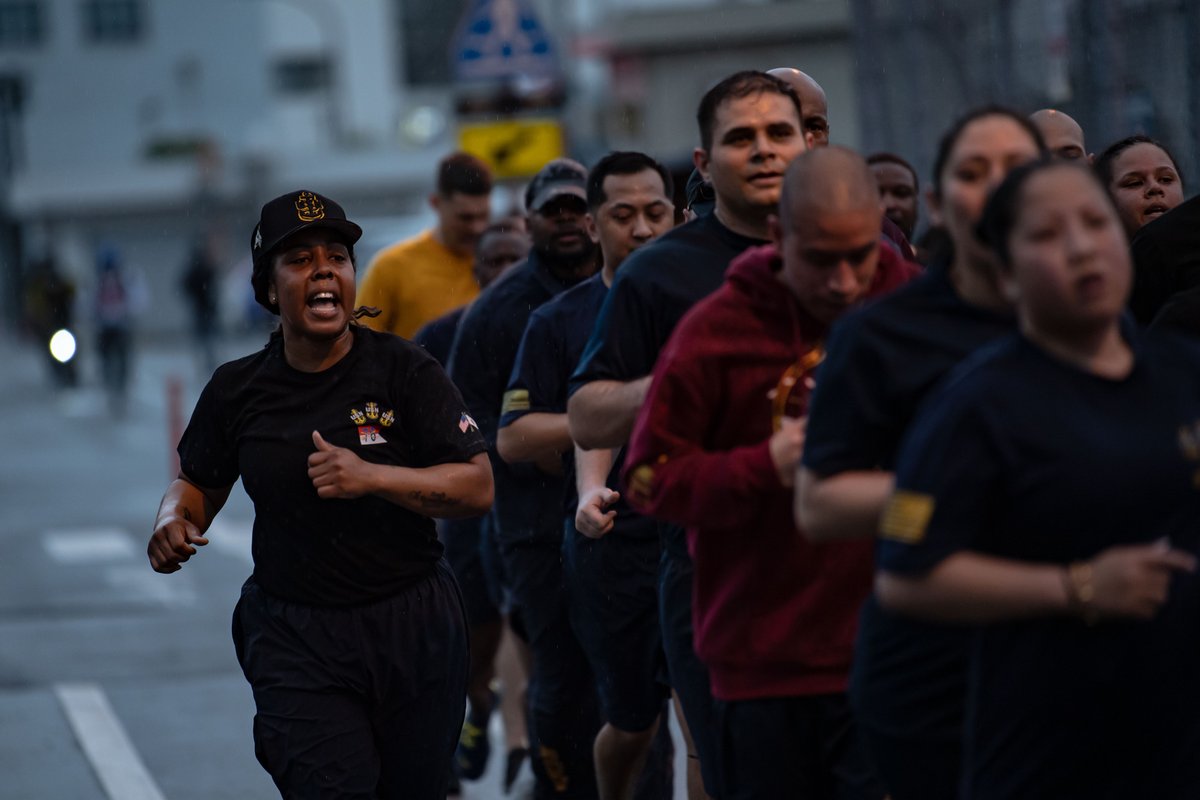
502,39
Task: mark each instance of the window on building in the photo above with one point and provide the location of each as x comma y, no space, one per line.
22,23
113,20
298,75
424,29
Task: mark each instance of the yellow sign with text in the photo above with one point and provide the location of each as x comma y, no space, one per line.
515,148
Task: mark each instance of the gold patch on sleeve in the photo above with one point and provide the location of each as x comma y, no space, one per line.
906,517
516,400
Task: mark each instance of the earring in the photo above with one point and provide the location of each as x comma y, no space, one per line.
271,297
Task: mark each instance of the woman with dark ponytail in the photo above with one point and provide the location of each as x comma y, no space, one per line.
351,630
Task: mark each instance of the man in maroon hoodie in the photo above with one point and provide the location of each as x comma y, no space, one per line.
715,448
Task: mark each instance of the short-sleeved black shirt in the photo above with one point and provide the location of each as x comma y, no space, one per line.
654,288
389,402
880,364
550,349
1022,456
1166,259
528,501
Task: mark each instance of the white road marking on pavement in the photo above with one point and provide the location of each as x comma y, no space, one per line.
231,536
140,582
105,743
78,545
83,403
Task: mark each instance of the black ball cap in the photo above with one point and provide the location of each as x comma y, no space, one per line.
285,215
562,176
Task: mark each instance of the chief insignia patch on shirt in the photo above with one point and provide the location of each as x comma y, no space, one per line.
516,400
372,410
357,417
369,434
906,517
465,422
388,418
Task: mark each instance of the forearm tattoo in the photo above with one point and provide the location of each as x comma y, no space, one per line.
430,501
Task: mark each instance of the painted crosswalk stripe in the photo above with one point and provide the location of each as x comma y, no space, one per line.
231,536
88,545
113,758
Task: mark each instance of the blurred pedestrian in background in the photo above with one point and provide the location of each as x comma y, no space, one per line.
120,296
199,284
49,308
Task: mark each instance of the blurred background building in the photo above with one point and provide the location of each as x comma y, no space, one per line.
149,125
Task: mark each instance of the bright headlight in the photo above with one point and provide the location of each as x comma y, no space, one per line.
62,346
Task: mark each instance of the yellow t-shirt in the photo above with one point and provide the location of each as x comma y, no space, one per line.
413,282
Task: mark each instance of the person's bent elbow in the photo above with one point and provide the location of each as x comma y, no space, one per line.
845,505
508,445
482,489
899,594
810,521
469,493
579,423
596,417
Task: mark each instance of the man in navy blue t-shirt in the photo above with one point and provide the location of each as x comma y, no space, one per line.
500,247
750,129
527,499
609,602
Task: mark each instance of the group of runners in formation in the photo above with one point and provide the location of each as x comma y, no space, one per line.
883,519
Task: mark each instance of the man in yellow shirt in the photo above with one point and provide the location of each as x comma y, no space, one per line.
421,278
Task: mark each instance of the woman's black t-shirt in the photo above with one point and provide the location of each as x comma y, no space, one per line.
1024,457
881,362
387,401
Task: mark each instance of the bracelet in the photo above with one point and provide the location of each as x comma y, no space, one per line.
1081,591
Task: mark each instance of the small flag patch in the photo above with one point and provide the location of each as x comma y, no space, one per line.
465,422
369,434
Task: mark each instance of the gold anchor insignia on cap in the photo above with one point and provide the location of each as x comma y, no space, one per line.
309,207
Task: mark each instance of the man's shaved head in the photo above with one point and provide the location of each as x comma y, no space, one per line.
1064,137
828,229
812,102
829,180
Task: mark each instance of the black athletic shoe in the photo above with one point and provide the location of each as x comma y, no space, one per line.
516,757
473,746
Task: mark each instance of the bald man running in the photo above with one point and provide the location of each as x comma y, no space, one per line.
815,122
1064,137
812,103
715,449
